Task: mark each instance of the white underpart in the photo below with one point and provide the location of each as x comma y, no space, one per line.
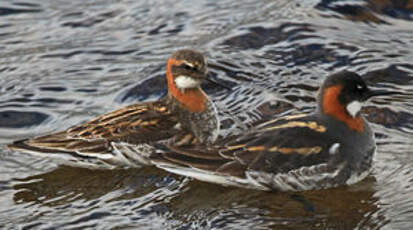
334,148
208,176
304,178
185,82
131,155
71,160
356,177
122,154
353,108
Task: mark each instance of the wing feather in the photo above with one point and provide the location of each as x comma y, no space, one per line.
277,147
135,124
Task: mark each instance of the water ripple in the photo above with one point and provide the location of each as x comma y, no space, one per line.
63,64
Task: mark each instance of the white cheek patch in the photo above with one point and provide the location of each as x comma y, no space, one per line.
185,82
354,107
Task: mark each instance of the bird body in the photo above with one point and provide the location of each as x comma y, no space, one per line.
330,147
126,137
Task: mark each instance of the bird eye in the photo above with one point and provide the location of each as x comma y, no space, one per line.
359,87
188,67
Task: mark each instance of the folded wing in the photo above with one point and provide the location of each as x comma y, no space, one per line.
257,158
132,126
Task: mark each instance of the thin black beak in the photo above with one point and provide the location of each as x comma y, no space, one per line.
217,83
373,93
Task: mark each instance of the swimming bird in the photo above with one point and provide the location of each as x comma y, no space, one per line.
332,146
126,137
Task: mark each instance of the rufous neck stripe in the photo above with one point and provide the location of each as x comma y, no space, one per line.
332,106
195,100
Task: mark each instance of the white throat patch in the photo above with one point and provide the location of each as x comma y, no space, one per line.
185,82
353,108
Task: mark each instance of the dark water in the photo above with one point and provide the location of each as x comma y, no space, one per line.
65,62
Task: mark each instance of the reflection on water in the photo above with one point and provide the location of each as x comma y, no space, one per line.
62,64
127,194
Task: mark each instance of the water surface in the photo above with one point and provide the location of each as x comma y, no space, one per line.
65,62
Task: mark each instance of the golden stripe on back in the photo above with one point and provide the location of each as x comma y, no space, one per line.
298,124
287,118
285,150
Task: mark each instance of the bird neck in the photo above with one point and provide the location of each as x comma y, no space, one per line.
330,105
194,99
